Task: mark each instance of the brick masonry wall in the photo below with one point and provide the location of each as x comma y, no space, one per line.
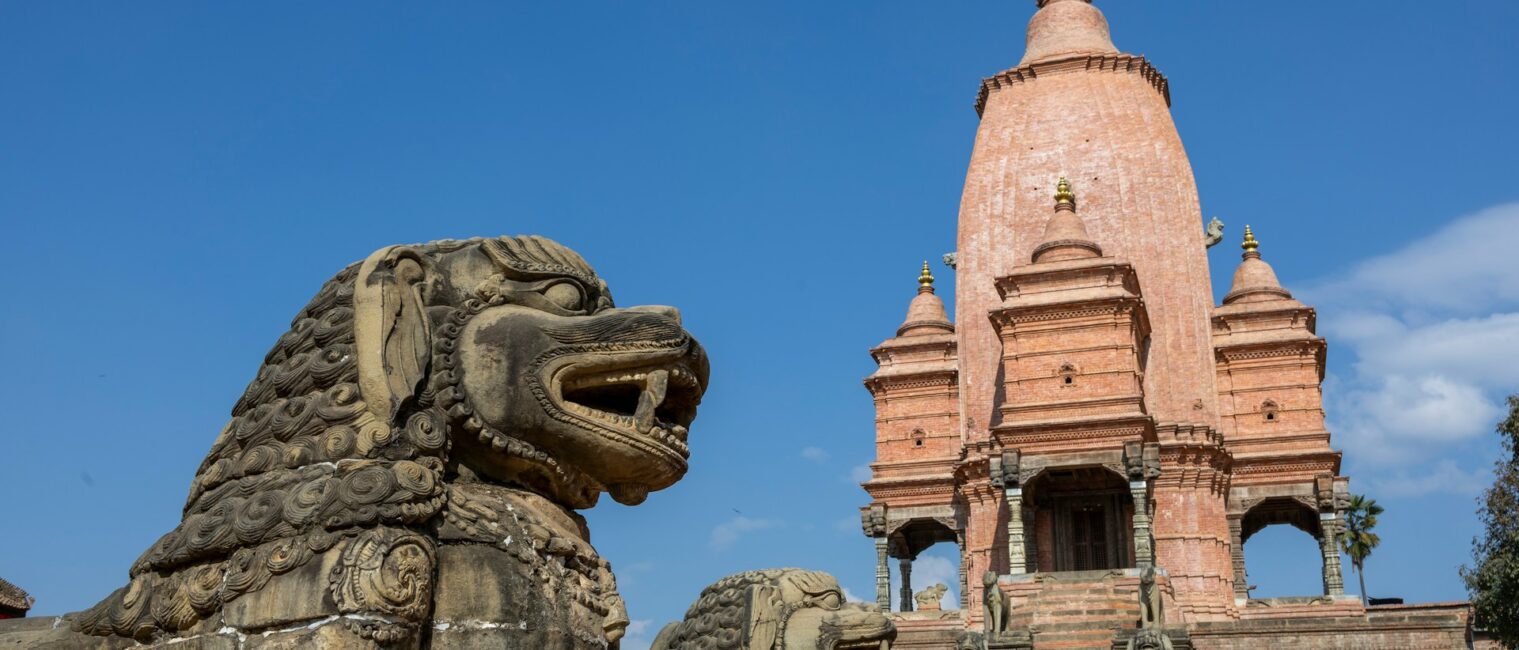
1111,133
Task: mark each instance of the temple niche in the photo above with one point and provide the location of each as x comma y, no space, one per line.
1096,436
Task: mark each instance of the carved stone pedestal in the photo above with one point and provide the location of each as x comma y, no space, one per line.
1172,638
1008,640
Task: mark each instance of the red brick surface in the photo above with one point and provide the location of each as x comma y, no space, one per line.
1110,336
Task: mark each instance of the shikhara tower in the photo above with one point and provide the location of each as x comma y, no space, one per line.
1090,411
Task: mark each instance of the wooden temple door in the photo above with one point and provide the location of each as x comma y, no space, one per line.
1089,539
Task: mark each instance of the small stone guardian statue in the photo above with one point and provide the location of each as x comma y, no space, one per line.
1151,608
1152,618
992,602
929,599
1213,233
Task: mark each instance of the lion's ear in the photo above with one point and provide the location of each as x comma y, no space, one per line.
391,332
765,614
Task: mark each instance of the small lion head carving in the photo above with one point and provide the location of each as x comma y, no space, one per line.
776,608
498,360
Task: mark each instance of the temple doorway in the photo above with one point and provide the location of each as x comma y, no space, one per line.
928,554
1082,520
1282,542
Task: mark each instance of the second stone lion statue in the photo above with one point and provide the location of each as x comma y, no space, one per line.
405,467
777,609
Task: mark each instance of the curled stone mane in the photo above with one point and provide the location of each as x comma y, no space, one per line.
310,461
720,619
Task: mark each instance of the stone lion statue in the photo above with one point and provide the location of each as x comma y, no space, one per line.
929,599
777,609
404,469
1213,233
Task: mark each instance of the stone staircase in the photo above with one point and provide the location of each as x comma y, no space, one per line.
1074,610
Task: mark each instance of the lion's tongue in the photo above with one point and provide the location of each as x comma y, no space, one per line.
653,395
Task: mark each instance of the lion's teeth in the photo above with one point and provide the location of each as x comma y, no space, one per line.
653,394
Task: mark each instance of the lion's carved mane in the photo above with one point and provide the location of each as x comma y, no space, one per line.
340,465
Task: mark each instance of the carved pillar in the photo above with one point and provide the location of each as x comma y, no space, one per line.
1329,537
1004,472
873,521
1017,550
964,563
1237,555
1142,463
906,569
1144,551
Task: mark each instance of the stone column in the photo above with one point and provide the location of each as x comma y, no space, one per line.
1004,474
1329,541
964,566
1237,555
883,576
906,567
1332,498
1017,551
1144,546
1141,465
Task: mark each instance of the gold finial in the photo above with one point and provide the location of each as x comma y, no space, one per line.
1063,193
1250,244
926,279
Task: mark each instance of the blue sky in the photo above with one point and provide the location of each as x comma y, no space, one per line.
179,178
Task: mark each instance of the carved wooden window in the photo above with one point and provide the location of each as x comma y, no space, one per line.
917,437
1067,374
1269,410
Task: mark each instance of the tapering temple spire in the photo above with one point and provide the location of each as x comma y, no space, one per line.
925,314
1065,235
1064,28
1254,280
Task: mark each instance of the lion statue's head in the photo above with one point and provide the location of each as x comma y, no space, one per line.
498,360
777,609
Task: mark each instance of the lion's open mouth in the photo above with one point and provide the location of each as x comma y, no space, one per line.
657,402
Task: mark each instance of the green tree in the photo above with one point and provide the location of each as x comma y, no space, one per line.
1357,540
1494,581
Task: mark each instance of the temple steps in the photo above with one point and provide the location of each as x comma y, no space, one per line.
1073,611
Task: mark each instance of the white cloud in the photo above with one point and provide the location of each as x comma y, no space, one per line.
850,597
1434,330
859,474
728,532
815,454
1445,477
637,636
1394,419
1464,268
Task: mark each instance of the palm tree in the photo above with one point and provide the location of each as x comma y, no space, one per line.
1357,540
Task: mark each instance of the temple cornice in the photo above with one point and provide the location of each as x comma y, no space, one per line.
1127,63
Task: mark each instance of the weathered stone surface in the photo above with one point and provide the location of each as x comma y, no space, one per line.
407,460
785,609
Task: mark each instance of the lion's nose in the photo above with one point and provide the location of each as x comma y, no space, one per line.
663,310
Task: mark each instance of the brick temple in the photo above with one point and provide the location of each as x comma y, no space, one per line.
1091,411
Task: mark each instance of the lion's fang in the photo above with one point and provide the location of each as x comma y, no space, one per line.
652,396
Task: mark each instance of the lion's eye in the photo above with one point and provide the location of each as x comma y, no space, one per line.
566,296
831,600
